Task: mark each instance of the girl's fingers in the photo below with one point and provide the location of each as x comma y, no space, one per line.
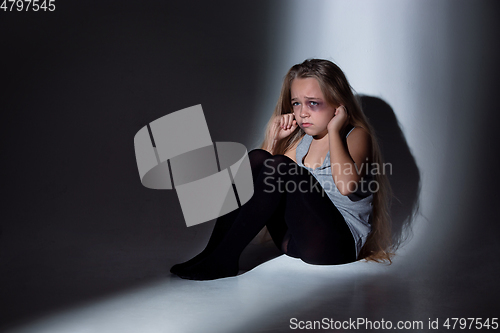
284,124
287,121
289,118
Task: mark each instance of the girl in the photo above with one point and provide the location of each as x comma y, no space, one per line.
317,185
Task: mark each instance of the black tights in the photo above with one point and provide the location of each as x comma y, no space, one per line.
301,219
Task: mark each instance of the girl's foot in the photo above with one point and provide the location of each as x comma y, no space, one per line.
175,269
221,227
208,270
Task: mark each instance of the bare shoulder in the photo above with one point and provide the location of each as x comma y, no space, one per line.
358,133
359,144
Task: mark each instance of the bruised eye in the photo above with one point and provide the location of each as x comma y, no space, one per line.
314,105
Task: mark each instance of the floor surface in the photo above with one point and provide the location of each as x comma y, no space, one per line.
280,295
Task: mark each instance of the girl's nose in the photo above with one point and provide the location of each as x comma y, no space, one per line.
303,112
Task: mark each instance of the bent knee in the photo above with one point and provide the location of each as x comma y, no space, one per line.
259,152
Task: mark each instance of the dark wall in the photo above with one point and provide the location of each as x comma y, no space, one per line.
76,85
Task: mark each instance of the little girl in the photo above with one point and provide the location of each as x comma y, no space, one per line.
317,182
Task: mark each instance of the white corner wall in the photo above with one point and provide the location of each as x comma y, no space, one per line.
428,61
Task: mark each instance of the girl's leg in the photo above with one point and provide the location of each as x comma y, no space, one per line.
257,158
317,232
309,226
271,201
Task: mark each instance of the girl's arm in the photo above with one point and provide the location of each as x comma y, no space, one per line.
345,160
279,128
268,145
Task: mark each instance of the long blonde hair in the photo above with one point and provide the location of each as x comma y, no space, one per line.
337,90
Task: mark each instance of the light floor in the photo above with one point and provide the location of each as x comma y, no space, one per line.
268,297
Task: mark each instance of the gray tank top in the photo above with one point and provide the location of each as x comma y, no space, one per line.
356,208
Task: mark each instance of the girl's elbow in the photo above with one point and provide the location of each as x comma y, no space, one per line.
342,187
347,187
345,192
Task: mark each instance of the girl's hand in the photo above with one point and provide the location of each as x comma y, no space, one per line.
284,125
339,121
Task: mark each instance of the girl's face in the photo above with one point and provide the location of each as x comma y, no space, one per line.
310,108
